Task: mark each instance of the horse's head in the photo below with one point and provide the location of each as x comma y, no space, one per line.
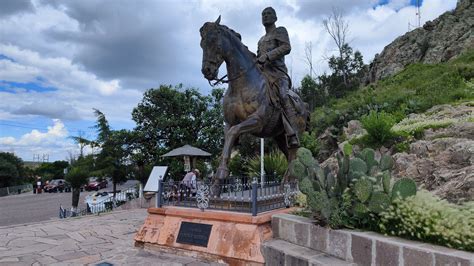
211,44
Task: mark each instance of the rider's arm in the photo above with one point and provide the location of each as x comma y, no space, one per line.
283,47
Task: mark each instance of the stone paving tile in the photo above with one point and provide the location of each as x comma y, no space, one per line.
81,241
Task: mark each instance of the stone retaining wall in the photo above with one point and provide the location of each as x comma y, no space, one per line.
364,248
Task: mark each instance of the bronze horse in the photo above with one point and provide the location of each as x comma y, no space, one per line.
248,104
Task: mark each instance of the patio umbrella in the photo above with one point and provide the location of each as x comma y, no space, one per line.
189,153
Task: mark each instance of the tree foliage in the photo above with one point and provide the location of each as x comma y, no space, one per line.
347,72
54,170
170,117
11,169
115,149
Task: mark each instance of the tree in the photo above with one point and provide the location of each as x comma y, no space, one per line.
308,52
338,29
82,141
170,117
77,176
54,170
11,169
347,67
350,66
114,144
312,92
8,173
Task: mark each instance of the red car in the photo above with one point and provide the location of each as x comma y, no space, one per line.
57,185
96,184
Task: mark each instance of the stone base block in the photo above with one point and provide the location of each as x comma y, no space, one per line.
235,238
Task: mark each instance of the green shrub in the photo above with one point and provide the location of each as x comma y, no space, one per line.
427,218
415,89
379,127
274,163
310,142
236,165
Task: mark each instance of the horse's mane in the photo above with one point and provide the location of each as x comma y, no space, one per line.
231,32
238,36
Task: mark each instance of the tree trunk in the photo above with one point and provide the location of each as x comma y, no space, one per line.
115,187
76,192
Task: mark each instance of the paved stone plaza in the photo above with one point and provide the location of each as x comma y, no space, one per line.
85,240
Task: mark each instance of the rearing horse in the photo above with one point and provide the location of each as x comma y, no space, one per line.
248,107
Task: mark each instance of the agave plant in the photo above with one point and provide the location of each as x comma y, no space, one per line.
274,163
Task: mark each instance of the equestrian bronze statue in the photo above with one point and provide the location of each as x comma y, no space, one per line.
258,99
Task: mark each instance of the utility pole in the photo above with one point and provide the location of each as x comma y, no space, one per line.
418,12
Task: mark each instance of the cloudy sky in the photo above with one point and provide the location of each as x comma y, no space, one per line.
61,59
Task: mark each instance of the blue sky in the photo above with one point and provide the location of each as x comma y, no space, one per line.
59,60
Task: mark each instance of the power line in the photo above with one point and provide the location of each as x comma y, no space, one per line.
43,128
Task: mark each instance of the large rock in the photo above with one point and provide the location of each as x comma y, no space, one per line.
442,162
437,41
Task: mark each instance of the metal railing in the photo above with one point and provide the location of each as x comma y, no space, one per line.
238,195
103,202
5,191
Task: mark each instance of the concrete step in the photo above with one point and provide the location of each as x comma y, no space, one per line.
280,252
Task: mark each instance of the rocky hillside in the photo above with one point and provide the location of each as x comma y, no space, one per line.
441,161
437,41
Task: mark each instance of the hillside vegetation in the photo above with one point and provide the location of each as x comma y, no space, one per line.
415,89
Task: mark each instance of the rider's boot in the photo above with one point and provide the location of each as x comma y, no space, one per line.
288,117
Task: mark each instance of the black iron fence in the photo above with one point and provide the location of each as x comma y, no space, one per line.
100,202
239,194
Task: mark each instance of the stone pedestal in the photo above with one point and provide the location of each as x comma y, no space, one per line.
235,238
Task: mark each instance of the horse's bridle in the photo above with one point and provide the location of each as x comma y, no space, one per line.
223,80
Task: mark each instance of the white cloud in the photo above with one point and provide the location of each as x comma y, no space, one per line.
101,55
54,142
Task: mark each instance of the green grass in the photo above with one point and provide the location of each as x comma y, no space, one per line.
415,89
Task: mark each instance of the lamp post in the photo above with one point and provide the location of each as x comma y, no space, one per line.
262,169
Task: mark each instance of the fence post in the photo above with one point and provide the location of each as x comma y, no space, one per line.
254,197
158,195
8,191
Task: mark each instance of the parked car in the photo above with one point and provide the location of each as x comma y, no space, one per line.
96,184
57,185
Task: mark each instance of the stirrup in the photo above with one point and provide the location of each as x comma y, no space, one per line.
293,141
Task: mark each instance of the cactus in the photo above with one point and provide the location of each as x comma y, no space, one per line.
386,182
363,189
297,169
367,154
403,188
359,190
379,202
305,157
386,162
306,186
360,210
347,149
320,175
358,165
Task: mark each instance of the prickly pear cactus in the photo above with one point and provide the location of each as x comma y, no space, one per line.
378,202
359,191
363,189
403,188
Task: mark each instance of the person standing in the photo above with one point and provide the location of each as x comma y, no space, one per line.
190,178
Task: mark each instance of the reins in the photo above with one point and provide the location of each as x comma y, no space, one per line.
222,80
